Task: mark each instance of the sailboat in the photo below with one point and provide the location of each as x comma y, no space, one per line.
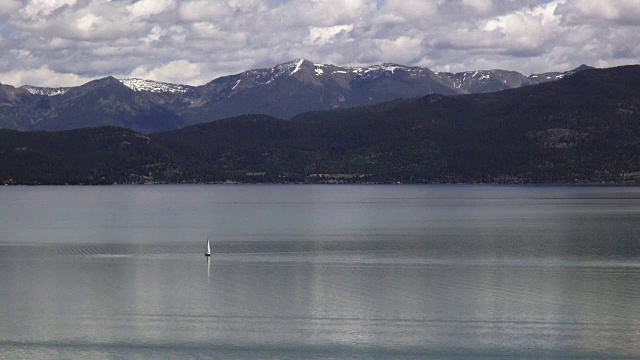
208,252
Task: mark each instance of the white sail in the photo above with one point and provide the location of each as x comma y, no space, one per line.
208,247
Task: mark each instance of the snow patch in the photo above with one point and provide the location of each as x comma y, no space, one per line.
154,86
298,66
392,69
35,90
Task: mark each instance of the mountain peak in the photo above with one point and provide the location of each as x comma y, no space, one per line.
582,67
296,62
299,65
293,67
108,80
283,91
49,91
393,65
103,82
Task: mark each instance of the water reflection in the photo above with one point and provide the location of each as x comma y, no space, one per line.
208,269
312,305
387,272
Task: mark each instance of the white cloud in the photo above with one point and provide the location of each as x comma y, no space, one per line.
481,6
206,30
87,23
323,35
616,11
203,10
154,35
412,9
36,8
8,7
402,50
193,41
146,8
527,29
178,71
319,13
42,76
21,53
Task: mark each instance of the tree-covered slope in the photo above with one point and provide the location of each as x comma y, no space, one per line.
583,128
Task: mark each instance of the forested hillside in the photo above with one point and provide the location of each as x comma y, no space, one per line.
581,129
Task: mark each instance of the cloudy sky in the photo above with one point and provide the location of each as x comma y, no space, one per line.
69,42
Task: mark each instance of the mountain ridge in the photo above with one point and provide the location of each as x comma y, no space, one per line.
580,129
138,84
282,91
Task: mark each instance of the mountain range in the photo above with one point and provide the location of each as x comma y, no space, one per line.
282,91
582,128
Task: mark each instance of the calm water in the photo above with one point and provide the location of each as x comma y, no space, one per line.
319,272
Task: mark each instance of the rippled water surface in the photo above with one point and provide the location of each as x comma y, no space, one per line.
319,272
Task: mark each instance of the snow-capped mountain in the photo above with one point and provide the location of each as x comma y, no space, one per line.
301,85
155,86
482,81
553,76
46,91
132,83
283,91
397,80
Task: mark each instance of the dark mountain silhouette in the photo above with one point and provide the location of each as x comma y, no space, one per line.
583,128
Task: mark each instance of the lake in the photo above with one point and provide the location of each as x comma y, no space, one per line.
319,272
